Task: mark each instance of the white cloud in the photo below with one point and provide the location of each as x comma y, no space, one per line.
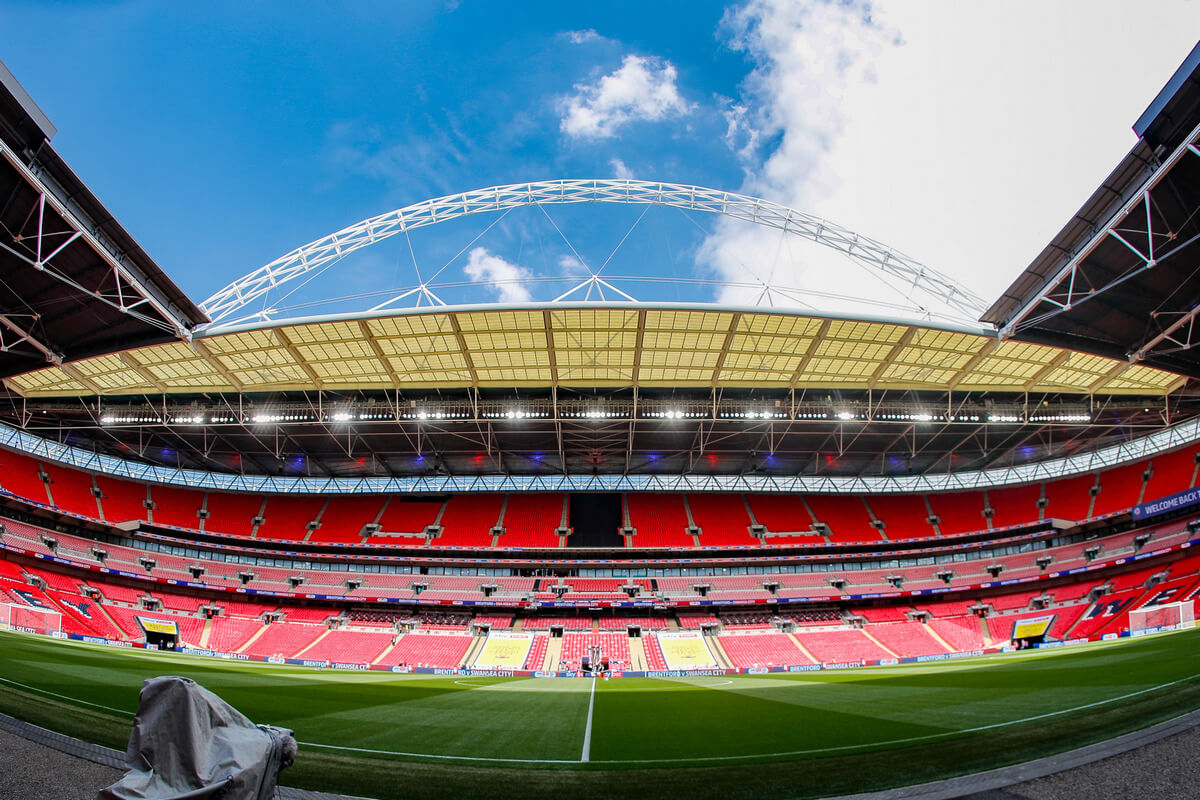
806,57
571,267
582,37
642,89
506,278
620,170
956,132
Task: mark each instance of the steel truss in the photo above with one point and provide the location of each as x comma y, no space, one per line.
52,226
336,246
1140,448
1139,226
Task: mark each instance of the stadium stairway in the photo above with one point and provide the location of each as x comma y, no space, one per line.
803,649
104,612
386,652
987,634
553,655
718,652
313,643
937,638
206,633
473,651
885,648
637,654
253,638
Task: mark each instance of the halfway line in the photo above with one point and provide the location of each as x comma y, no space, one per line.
587,734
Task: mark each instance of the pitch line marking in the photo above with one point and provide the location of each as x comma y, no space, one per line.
702,759
587,734
66,697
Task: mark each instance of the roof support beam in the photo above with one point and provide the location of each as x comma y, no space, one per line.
365,330
733,327
28,338
822,332
466,353
217,366
173,320
1067,270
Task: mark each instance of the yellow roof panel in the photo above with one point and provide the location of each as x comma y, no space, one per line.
688,320
780,324
500,321
506,340
410,325
674,340
438,343
510,358
591,345
576,319
754,343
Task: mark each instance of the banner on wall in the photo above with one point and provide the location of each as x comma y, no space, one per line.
1172,502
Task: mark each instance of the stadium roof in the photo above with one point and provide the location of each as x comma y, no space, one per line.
73,282
1120,278
594,346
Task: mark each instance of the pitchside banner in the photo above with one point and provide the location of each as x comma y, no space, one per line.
1173,502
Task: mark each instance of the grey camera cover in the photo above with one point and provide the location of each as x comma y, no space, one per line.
189,744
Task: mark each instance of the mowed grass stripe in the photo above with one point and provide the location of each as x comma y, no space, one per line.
635,721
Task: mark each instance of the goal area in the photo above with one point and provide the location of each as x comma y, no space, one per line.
1166,617
30,619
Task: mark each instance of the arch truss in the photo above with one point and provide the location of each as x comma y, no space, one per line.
876,256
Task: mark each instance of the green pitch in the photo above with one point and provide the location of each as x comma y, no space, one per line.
804,735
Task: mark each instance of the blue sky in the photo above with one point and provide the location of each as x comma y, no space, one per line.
225,134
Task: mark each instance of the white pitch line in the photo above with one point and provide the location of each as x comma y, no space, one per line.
66,697
748,756
587,733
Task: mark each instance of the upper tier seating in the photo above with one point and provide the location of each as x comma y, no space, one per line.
781,513
19,475
72,490
1069,498
847,517
174,506
660,520
722,518
407,515
1015,506
1172,472
530,520
122,500
904,516
232,513
958,512
1120,488
468,520
345,517
287,517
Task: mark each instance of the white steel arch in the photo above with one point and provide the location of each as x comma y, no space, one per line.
336,246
